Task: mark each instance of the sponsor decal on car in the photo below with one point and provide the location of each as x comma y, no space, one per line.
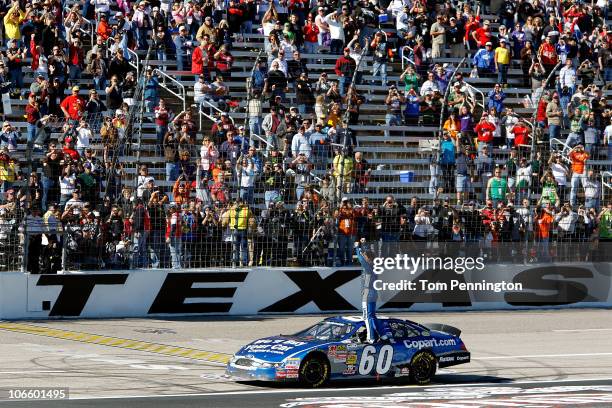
447,359
292,363
350,370
463,358
281,373
292,374
419,344
275,346
337,353
351,358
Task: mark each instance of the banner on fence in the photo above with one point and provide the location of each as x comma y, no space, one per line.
142,293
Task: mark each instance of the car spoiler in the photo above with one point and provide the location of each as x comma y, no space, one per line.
444,328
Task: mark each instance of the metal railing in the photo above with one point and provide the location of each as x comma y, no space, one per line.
179,92
478,91
208,116
405,57
136,64
566,148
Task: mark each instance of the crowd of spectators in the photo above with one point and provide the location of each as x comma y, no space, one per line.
273,191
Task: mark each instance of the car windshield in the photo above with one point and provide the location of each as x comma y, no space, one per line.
326,331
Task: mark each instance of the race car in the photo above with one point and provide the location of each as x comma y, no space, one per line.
336,349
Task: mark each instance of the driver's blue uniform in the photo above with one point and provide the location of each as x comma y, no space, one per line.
375,328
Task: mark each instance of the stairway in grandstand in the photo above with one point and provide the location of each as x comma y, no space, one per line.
388,160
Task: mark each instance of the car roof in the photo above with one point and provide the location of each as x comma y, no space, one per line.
357,320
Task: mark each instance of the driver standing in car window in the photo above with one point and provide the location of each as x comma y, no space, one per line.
375,328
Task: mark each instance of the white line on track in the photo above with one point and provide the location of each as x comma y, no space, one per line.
579,330
33,371
322,390
541,356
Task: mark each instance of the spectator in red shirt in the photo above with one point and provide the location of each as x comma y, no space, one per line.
73,106
541,118
76,57
548,55
162,118
483,34
32,116
521,134
199,60
104,30
471,26
69,150
223,62
311,36
484,129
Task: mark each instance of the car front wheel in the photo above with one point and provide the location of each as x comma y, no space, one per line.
314,371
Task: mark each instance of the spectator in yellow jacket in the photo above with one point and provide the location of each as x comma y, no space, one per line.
12,20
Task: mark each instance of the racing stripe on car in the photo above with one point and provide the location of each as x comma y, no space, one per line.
209,357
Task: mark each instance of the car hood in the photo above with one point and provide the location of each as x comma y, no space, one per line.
276,348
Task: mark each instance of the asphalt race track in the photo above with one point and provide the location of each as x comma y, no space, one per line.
536,359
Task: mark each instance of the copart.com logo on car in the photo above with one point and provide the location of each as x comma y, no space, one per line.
429,343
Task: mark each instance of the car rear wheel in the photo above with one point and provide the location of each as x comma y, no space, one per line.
422,367
314,371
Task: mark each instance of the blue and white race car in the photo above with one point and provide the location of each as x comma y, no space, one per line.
336,349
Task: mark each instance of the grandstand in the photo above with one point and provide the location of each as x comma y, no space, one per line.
400,156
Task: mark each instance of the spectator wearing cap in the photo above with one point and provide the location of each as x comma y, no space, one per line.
484,60
502,61
483,35
73,106
437,31
182,45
